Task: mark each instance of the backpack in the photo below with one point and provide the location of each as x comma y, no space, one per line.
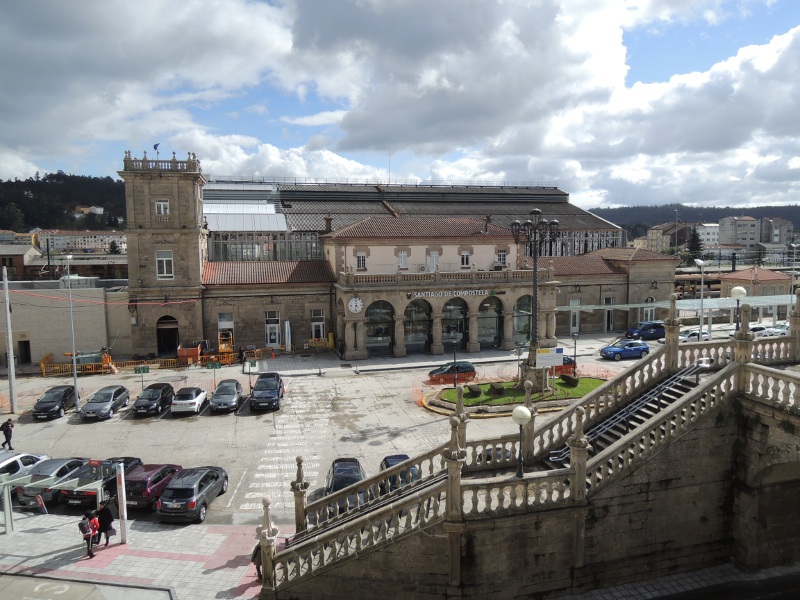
4,427
84,526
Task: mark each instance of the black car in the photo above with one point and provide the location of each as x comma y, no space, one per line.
462,370
189,493
342,473
54,402
96,471
405,477
154,399
267,392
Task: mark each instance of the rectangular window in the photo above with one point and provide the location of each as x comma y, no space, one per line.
501,257
162,207
465,260
361,261
164,264
402,259
317,323
433,260
225,320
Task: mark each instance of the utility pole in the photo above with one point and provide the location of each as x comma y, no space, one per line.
12,387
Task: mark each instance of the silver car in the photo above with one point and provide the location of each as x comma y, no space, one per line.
51,468
229,395
19,463
103,403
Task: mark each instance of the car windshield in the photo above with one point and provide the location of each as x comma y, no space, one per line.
178,493
150,394
342,480
266,384
225,390
687,332
135,488
50,396
619,344
639,326
100,398
185,396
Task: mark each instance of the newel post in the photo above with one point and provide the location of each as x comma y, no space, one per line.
578,452
454,456
672,326
794,327
462,417
267,535
528,445
299,487
743,344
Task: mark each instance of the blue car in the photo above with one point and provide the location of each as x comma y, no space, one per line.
267,392
625,349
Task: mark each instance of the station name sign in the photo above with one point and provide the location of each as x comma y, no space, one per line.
451,293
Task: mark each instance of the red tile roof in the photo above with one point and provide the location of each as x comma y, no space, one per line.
580,265
418,227
755,274
266,272
632,254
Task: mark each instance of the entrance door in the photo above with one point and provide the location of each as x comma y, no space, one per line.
23,352
272,326
609,314
167,337
575,316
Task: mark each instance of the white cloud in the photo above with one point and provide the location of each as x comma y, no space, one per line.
330,117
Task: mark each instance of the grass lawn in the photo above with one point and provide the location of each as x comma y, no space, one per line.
513,394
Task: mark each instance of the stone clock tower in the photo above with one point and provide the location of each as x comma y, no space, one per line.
167,251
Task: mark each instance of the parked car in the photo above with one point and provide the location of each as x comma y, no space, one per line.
267,392
50,468
646,330
19,463
779,329
144,484
344,472
154,399
93,471
463,370
103,403
625,349
755,331
228,396
54,402
693,335
403,478
189,399
187,496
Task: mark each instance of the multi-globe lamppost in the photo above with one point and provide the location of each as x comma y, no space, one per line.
534,233
702,264
72,330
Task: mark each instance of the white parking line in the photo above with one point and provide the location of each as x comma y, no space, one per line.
233,494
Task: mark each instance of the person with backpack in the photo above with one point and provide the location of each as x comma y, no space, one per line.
85,527
7,428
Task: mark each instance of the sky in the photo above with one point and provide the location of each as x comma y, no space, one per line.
617,102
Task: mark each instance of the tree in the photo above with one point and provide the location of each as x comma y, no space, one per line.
12,218
694,244
113,248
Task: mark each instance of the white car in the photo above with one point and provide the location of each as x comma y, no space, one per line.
755,330
19,463
189,399
693,335
780,329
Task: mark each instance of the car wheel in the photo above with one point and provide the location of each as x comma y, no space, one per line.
154,505
643,354
224,486
201,516
126,402
618,356
60,412
110,413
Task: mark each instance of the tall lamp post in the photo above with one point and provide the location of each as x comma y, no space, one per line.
702,264
738,293
72,330
575,353
534,232
791,284
521,416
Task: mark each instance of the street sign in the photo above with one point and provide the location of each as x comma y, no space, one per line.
252,364
214,365
141,370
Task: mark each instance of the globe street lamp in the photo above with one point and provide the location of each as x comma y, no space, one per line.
521,416
534,233
702,264
738,293
72,330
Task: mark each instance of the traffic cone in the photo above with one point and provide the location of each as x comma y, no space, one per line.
273,354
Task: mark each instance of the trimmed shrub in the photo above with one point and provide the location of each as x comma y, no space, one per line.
570,380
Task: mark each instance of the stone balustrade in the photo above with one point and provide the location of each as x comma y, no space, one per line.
718,351
454,277
372,529
190,165
498,453
658,431
769,385
491,497
773,350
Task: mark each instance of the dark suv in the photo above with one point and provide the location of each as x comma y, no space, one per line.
646,330
54,402
188,495
145,483
94,471
154,399
267,392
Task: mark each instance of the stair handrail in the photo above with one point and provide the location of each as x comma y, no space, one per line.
511,495
715,350
367,532
632,408
781,388
658,431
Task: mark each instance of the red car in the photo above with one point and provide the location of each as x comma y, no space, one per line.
144,484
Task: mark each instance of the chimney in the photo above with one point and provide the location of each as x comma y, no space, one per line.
328,221
488,222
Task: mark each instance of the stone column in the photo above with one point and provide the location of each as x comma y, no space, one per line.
672,326
437,347
473,345
360,342
462,417
578,454
454,457
508,330
349,338
399,349
299,487
743,343
528,445
267,535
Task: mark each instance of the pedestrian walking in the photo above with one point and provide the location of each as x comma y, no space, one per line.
95,525
104,520
85,527
7,428
241,355
255,558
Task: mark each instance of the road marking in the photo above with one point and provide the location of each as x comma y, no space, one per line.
233,494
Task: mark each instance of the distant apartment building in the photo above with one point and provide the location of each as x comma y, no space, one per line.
97,242
709,234
740,230
777,230
667,235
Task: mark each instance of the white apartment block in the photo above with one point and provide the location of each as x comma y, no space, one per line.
709,234
740,230
98,242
